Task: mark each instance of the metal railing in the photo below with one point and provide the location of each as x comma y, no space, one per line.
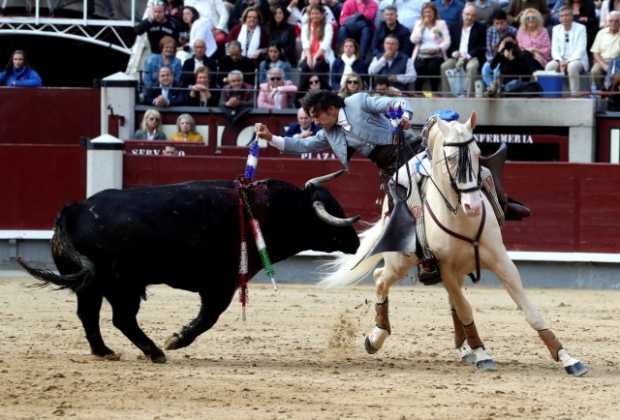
369,86
93,21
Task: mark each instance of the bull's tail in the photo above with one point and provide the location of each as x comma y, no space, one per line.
64,253
349,269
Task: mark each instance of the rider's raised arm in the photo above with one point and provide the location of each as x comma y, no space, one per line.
316,143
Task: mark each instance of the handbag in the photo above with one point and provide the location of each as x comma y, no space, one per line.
456,80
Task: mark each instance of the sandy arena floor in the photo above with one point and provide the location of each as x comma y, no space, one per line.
300,356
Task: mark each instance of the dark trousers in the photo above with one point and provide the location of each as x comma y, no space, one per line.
428,67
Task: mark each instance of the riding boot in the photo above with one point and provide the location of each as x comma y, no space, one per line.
516,210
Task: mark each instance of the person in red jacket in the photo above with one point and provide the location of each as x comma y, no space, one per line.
356,21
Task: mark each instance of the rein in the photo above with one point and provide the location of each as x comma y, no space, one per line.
475,242
464,173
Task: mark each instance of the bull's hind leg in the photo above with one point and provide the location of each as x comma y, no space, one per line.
124,311
89,302
210,311
469,346
396,267
510,278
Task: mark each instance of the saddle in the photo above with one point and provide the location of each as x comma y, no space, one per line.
512,209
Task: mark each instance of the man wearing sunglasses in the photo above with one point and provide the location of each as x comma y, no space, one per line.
276,93
568,49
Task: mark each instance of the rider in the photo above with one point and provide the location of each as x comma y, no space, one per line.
357,124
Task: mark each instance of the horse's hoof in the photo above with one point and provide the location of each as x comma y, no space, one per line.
173,342
368,346
158,358
486,365
469,358
577,369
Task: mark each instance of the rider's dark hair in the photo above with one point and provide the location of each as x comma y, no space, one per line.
320,101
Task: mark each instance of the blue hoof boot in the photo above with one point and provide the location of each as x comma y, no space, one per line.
469,358
487,365
578,369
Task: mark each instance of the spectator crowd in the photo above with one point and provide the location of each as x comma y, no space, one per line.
268,53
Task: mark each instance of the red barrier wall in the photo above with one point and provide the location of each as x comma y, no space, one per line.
574,206
36,181
48,115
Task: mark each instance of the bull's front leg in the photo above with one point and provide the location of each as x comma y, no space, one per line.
210,311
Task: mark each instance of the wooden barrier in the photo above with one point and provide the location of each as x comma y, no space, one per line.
48,115
574,206
36,181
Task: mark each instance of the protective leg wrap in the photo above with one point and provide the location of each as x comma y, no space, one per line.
382,316
459,331
552,343
473,339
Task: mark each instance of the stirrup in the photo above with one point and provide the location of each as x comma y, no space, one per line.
429,277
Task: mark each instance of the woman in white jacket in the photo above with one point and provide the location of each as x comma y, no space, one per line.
432,39
316,41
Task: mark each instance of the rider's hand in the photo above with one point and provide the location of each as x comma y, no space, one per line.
405,124
262,131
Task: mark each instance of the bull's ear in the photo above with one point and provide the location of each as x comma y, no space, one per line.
472,121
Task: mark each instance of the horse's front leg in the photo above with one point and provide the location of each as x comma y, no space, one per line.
508,274
469,346
396,267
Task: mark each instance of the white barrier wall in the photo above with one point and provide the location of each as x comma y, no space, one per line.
578,114
118,96
104,164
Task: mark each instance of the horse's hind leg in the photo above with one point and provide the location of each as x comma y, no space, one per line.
469,346
508,274
124,311
395,268
89,301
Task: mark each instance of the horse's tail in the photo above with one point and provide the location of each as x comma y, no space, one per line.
349,269
65,254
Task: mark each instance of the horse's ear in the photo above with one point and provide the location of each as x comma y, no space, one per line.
443,127
472,120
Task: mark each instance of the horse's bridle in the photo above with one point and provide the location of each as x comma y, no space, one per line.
464,168
462,172
455,187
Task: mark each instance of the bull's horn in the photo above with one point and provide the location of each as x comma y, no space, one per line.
319,208
323,178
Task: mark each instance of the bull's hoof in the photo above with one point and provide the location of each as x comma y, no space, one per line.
106,354
577,369
158,358
486,365
369,347
173,342
110,356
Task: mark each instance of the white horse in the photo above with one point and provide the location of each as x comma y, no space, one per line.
464,235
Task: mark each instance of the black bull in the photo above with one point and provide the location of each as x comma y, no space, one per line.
187,236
